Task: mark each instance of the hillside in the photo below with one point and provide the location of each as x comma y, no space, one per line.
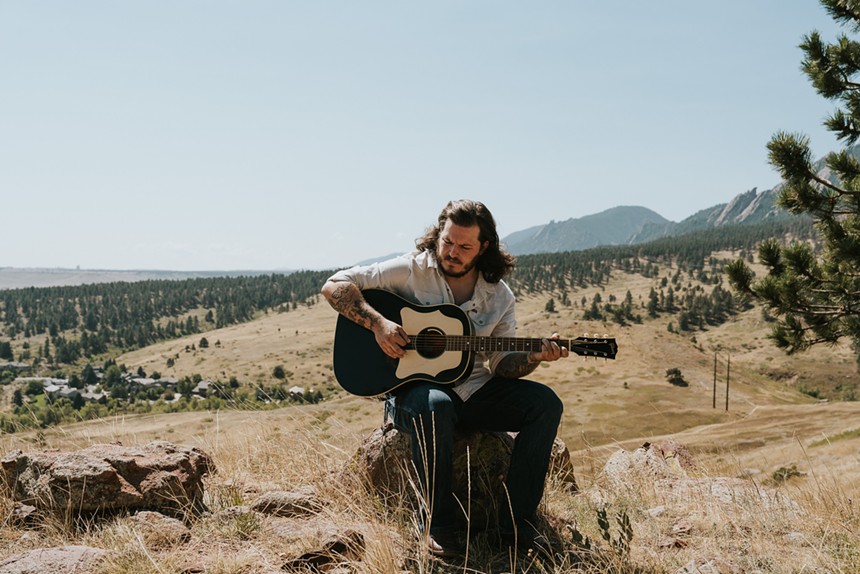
771,429
611,227
635,225
607,402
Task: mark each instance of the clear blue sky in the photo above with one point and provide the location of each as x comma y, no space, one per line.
252,134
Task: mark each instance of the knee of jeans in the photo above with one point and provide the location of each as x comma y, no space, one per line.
439,410
431,409
551,404
439,402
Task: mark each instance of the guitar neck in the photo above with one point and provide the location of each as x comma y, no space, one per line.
495,344
438,342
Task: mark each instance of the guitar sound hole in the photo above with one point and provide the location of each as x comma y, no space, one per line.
430,343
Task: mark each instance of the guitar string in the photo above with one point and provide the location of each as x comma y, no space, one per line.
477,343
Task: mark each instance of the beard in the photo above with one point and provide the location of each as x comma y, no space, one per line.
457,274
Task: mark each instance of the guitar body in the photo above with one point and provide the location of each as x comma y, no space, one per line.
363,369
441,346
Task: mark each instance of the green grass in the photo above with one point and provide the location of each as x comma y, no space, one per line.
855,433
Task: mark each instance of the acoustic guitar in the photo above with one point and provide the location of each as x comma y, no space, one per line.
441,349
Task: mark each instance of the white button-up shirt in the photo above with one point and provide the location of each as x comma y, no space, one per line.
416,277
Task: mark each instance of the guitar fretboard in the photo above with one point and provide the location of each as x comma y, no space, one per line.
591,347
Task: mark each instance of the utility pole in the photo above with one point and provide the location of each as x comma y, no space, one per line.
728,371
714,401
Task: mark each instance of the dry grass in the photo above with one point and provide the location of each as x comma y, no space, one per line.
281,450
610,405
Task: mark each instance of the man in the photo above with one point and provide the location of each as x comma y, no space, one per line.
460,261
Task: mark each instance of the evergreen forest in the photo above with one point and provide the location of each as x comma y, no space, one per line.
62,331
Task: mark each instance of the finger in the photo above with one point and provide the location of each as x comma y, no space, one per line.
402,337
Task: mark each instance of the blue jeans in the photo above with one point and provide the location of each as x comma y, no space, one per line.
430,413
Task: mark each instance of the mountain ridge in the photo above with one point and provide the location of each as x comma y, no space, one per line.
631,225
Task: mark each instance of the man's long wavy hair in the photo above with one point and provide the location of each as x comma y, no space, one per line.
494,263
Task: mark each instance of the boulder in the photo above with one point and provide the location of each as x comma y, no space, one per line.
159,476
59,560
651,462
158,530
669,468
302,501
318,545
481,460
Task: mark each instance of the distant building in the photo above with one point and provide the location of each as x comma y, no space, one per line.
14,366
169,382
202,388
92,395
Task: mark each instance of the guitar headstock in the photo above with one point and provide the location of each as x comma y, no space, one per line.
603,347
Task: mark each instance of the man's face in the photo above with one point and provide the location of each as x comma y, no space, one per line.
458,249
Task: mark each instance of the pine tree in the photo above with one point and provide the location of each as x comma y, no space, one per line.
817,297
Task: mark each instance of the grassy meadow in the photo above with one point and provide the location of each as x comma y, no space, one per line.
774,433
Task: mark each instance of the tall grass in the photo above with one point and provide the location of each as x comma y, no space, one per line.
805,524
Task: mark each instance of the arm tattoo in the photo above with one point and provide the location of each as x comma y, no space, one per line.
515,366
346,299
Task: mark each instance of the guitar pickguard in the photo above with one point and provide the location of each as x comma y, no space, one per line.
414,363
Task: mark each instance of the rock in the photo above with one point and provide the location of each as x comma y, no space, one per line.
23,515
158,530
667,460
561,466
383,461
300,502
729,493
107,477
669,468
59,560
480,459
325,546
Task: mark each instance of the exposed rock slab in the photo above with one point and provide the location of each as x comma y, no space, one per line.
302,501
59,560
106,477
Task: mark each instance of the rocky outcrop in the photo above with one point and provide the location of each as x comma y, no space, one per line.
59,560
481,462
302,501
324,546
669,468
108,477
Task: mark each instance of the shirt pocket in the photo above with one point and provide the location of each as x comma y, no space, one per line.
485,321
428,297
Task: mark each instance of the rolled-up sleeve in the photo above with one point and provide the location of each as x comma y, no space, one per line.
392,275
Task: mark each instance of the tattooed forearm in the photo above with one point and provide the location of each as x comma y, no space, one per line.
346,299
515,366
